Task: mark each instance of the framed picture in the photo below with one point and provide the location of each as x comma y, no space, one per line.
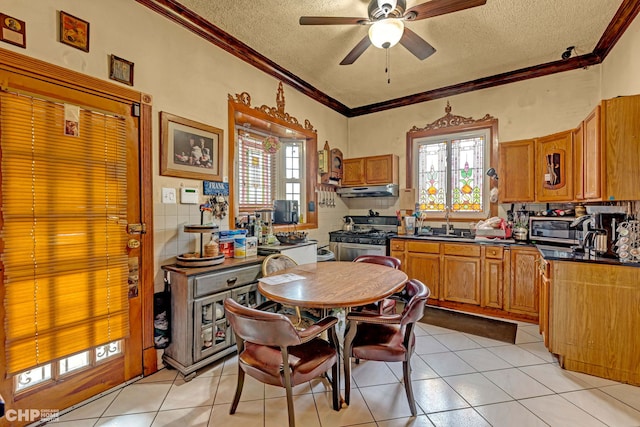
120,70
74,31
13,30
189,149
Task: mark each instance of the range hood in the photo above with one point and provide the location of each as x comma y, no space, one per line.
389,190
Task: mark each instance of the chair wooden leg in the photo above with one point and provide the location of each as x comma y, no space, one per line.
348,338
239,385
406,373
287,385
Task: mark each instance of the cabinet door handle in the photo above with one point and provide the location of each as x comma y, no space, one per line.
231,282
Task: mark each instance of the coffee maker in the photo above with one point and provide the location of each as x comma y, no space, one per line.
285,212
608,223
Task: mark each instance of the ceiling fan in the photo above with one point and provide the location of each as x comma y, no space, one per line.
386,20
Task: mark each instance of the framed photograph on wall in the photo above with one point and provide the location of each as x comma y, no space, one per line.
120,70
13,30
189,149
74,31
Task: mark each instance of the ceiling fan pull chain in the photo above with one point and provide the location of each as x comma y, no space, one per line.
388,68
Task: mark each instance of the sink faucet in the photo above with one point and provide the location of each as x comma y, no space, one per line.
447,212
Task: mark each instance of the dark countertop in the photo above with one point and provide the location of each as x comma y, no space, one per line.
550,253
450,239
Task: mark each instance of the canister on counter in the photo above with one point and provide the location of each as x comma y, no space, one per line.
240,247
226,247
252,246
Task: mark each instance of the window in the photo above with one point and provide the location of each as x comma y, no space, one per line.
450,172
269,171
446,164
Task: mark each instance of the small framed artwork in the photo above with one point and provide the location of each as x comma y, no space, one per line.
74,31
120,70
189,149
13,31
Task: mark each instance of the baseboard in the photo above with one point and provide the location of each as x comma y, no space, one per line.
496,329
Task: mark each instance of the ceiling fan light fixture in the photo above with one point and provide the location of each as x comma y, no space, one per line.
386,33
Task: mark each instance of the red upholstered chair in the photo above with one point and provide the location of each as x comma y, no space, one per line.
386,337
268,341
387,305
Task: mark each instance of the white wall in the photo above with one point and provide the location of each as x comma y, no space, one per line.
524,109
621,68
186,75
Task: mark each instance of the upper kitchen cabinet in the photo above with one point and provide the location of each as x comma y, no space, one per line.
374,170
554,167
578,162
620,133
592,164
516,163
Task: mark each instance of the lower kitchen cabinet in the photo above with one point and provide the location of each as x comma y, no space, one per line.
524,284
493,269
461,273
200,332
492,279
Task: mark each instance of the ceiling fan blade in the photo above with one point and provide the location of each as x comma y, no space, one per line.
441,7
416,44
331,20
357,51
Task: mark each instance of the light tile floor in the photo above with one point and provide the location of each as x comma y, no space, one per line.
458,379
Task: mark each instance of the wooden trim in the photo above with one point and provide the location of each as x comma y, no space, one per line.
63,77
177,13
626,13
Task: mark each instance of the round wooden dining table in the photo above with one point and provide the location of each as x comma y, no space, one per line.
333,284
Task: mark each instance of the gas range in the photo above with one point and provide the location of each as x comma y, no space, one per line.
370,235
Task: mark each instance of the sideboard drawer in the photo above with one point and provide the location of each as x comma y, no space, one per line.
223,280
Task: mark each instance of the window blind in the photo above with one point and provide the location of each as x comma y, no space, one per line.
64,217
256,173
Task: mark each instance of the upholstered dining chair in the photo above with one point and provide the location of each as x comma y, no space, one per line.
273,351
271,265
387,305
386,337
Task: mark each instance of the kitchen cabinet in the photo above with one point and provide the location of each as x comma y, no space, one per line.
516,168
554,167
422,262
200,332
373,170
524,283
492,276
578,162
591,170
593,319
397,251
301,253
461,273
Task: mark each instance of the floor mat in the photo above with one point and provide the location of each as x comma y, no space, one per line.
500,330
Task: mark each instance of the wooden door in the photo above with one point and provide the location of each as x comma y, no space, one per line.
578,162
110,365
592,157
516,171
461,281
524,283
554,167
492,276
426,268
381,169
353,172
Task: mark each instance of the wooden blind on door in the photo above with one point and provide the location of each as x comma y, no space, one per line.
64,218
256,170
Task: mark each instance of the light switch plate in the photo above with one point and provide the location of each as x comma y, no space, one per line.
169,195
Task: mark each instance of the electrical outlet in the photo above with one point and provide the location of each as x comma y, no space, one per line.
169,195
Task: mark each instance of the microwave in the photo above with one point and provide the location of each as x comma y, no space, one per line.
553,229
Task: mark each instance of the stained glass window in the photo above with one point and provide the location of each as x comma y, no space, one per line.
450,173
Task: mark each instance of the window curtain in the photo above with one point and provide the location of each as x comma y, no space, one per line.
64,218
256,173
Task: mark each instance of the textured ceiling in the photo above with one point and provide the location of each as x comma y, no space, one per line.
501,36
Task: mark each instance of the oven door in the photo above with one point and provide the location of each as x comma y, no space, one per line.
349,251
